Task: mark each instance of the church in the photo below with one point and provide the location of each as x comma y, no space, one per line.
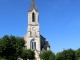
34,40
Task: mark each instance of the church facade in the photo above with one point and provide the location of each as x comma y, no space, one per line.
34,40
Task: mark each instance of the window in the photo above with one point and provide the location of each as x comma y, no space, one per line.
33,44
33,17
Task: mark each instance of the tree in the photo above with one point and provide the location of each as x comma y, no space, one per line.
59,56
68,54
17,43
11,47
77,53
47,55
30,54
27,54
52,56
24,54
4,46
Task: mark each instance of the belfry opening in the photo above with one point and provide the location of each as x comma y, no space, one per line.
33,17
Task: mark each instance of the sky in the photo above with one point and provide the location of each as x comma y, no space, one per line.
59,21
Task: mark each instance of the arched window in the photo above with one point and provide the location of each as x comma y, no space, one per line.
33,44
33,17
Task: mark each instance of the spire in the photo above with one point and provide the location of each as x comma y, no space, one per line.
32,0
33,6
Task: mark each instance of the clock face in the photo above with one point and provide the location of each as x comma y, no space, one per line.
33,28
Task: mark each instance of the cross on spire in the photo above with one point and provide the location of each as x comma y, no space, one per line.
33,6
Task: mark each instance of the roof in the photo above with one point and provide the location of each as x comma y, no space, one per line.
46,42
42,37
33,6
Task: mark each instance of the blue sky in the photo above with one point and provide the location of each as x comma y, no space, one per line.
59,21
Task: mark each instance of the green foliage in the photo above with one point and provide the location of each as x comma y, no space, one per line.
66,55
27,54
11,47
52,56
69,54
77,54
30,54
47,55
24,54
59,56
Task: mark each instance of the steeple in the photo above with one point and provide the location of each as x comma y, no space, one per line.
33,6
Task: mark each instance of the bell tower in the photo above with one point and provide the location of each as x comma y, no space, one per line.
33,23
33,31
33,39
33,14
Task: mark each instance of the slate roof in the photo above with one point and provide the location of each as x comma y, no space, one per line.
33,6
42,37
46,42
